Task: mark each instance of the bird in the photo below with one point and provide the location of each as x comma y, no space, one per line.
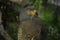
30,24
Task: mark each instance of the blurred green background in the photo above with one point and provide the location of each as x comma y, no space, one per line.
47,14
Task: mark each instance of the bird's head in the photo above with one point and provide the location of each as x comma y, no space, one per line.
28,12
31,11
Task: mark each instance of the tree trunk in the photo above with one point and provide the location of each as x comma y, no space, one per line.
3,32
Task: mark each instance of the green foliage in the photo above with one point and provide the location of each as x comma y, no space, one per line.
37,4
11,20
48,18
47,15
13,26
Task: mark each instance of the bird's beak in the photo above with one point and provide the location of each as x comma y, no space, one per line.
33,12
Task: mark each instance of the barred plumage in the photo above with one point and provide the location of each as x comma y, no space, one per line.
30,27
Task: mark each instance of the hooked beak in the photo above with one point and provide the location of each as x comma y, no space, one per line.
33,12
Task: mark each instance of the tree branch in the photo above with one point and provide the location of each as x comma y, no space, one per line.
4,33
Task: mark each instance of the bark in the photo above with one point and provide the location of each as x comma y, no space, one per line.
3,32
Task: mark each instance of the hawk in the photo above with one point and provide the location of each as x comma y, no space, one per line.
30,24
